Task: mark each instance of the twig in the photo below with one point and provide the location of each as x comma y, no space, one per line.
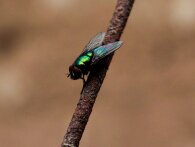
96,77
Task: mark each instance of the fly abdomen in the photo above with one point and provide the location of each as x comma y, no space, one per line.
84,60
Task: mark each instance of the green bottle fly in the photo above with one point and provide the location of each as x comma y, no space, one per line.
92,53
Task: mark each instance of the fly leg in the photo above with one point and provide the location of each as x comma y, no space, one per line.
84,82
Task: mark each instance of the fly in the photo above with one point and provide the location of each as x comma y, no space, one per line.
93,52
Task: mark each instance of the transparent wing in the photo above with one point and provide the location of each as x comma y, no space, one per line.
95,42
105,50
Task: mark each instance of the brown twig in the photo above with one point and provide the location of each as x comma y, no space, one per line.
96,77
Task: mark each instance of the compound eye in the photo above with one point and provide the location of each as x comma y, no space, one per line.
75,75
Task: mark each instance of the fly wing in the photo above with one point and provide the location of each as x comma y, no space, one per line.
95,42
105,50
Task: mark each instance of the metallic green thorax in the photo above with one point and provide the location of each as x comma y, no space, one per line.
84,59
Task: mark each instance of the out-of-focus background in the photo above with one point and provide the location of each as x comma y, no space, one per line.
148,96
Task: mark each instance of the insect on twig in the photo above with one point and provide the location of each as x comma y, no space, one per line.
93,52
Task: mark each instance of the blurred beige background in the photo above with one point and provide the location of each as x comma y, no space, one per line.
147,99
